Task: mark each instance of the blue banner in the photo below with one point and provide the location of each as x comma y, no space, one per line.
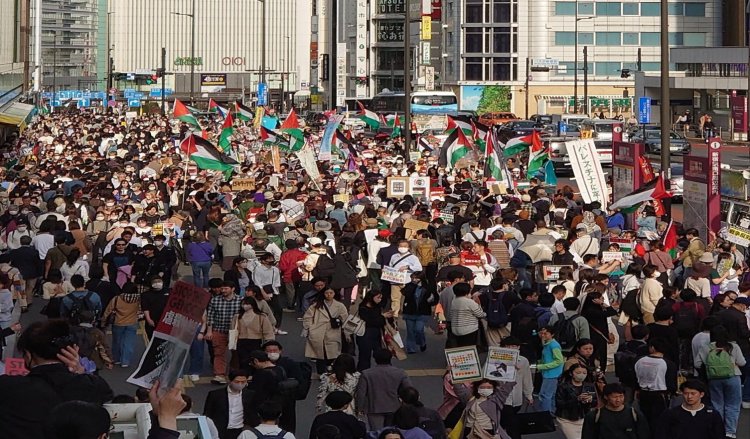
262,93
328,134
644,110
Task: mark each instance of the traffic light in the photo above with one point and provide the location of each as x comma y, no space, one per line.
152,79
160,72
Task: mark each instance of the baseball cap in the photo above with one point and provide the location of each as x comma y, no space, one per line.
384,233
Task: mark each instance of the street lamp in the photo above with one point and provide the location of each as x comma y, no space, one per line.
575,68
288,60
262,41
110,62
192,48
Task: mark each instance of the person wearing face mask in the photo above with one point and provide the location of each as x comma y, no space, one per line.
265,274
403,261
253,327
14,237
55,377
153,302
651,292
230,407
166,257
574,398
484,403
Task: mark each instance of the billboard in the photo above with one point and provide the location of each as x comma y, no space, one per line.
213,82
485,98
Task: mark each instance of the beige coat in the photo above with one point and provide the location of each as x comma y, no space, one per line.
323,341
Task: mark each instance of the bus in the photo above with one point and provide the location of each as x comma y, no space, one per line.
428,108
434,102
388,102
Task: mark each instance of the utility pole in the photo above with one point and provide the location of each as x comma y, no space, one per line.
54,69
638,60
38,46
163,78
288,83
664,115
333,64
110,62
575,67
192,53
407,78
25,30
586,79
526,97
262,41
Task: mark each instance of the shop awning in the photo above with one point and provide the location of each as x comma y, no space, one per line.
16,114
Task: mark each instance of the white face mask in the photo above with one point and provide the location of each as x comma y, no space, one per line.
274,356
158,243
247,307
157,285
485,392
403,250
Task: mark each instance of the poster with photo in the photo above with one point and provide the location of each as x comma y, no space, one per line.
464,364
501,364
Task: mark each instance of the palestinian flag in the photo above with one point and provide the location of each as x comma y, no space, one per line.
271,138
369,117
42,106
424,144
518,145
479,133
243,113
492,161
455,147
291,127
670,239
396,127
463,122
213,107
653,190
181,112
537,156
205,154
227,128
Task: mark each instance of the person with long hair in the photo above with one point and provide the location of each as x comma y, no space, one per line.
723,359
74,264
240,275
372,311
122,314
199,255
484,402
575,397
254,328
342,377
322,324
596,312
657,257
583,355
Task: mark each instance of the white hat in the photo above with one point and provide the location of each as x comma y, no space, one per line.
323,226
314,241
525,198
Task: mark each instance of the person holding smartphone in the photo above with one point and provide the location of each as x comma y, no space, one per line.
575,397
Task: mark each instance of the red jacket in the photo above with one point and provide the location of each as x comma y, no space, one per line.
288,264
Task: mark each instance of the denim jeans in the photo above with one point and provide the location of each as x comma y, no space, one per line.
196,357
123,338
726,396
414,332
746,387
200,273
547,395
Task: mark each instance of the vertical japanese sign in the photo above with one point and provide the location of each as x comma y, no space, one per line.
341,75
739,113
168,349
327,140
360,65
626,172
426,29
714,183
584,159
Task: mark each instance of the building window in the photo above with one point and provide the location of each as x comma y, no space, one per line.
607,69
585,8
565,8
501,42
650,9
450,39
565,69
608,39
695,9
650,39
501,69
630,8
565,38
651,66
630,38
675,39
474,40
675,8
585,38
501,13
474,13
694,39
473,70
608,9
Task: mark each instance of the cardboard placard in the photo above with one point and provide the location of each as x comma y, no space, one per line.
446,215
419,186
501,364
397,187
497,188
395,276
552,272
344,198
243,184
738,235
464,364
611,256
414,225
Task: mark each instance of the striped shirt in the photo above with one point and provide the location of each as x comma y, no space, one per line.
464,315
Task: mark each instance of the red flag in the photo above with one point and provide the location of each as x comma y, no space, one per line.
670,238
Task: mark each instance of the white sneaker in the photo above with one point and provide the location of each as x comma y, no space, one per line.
280,332
194,378
745,405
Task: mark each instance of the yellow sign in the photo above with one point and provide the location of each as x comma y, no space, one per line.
426,27
587,134
316,99
259,113
243,184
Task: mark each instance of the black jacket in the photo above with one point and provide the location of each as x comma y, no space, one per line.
349,426
677,422
567,405
217,408
234,276
736,324
423,307
27,401
26,260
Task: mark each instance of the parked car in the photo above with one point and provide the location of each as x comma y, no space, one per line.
558,152
492,119
652,142
518,128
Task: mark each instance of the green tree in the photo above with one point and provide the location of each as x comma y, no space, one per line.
494,98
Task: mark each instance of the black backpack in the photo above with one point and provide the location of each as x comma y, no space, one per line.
686,320
260,435
80,304
625,366
497,316
566,331
325,267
